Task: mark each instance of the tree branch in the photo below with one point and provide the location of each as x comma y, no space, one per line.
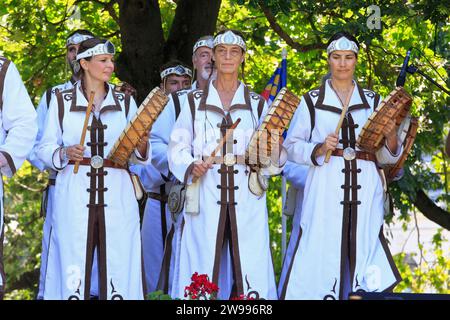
369,59
283,35
59,22
430,210
44,67
108,6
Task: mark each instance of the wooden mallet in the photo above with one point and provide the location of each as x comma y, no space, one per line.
86,121
341,119
222,141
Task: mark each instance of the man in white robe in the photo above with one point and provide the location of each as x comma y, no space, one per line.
17,134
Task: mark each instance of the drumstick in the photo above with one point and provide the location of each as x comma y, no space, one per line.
222,141
86,120
341,119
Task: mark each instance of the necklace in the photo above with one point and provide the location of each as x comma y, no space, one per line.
348,92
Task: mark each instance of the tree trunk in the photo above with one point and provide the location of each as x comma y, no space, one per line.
142,44
143,47
193,19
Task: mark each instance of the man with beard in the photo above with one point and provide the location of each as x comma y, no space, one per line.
158,226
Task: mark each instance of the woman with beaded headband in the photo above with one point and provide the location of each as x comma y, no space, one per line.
72,44
228,239
340,246
94,210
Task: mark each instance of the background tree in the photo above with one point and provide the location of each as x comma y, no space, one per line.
148,33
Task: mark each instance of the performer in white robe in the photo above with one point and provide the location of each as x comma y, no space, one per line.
229,237
202,62
17,133
95,208
340,245
296,175
72,43
156,220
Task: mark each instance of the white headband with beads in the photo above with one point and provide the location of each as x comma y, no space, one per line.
77,38
342,44
230,38
101,48
178,70
209,42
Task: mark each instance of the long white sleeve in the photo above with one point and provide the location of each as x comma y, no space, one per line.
296,174
18,121
51,139
161,135
179,152
41,115
300,150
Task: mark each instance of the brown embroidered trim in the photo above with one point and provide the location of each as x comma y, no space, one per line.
355,202
162,211
394,269
4,68
10,161
363,97
222,215
102,254
345,214
2,268
288,274
313,154
59,98
188,172
329,108
376,101
163,281
234,243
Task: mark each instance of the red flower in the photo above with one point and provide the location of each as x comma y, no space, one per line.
200,287
243,297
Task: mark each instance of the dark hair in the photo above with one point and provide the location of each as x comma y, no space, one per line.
238,33
341,34
82,32
85,45
173,63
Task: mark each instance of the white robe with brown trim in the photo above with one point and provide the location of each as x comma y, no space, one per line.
295,174
155,224
159,231
341,227
225,200
18,129
95,208
48,194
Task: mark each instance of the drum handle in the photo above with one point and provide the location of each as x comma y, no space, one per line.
341,119
83,132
